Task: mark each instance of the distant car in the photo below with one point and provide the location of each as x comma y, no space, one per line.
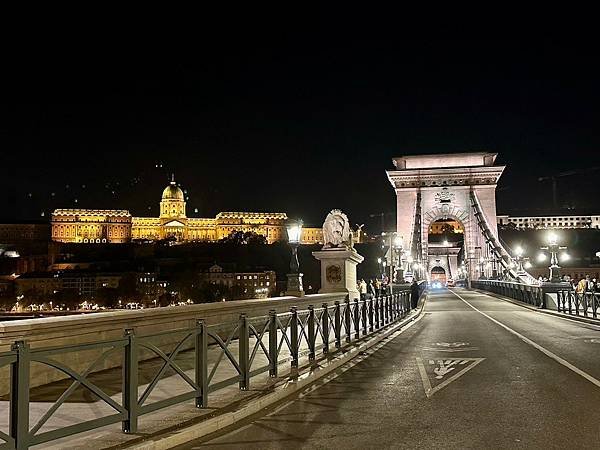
450,283
436,285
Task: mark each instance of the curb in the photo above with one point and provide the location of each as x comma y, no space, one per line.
543,311
286,389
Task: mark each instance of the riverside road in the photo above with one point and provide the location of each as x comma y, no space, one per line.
474,372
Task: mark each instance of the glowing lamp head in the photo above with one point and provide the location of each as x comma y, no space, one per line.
378,260
398,242
552,238
446,243
565,257
482,259
541,257
409,258
294,231
519,251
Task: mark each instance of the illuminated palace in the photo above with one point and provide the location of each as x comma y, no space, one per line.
118,226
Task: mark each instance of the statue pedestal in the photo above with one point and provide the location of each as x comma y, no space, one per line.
338,271
294,285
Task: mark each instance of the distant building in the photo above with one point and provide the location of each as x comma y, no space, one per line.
312,236
550,222
96,226
439,226
84,284
16,233
246,284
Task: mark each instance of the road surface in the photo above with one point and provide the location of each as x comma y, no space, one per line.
474,372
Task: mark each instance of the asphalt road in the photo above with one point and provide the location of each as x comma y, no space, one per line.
474,372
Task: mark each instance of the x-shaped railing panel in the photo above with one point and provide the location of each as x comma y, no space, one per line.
224,345
259,341
79,380
169,361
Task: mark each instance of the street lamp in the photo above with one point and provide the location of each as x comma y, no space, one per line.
553,248
294,285
399,246
521,260
481,263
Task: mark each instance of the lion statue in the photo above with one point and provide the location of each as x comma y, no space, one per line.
336,230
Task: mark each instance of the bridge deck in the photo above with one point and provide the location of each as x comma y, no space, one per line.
475,372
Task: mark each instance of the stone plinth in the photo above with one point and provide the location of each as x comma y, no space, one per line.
294,285
338,271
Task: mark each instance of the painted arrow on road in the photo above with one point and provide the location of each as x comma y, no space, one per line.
443,372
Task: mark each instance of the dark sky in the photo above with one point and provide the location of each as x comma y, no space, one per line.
300,125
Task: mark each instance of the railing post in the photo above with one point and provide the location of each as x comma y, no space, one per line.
381,311
364,317
201,360
244,353
19,396
337,328
377,306
386,316
273,341
348,321
130,383
311,332
325,328
356,318
371,300
294,337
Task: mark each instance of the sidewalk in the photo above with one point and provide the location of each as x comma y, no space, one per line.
551,312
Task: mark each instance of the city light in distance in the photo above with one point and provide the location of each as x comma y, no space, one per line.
542,257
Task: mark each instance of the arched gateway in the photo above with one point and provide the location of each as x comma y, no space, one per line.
461,187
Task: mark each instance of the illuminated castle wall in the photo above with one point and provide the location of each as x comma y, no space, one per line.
118,226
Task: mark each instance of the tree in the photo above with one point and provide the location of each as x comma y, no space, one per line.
244,238
214,292
108,297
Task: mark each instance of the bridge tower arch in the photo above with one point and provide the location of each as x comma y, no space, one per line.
459,186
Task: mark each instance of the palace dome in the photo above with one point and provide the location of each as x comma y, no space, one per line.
172,192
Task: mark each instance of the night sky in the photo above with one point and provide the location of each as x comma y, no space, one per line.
300,125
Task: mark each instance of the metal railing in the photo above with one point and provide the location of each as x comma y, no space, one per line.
585,304
526,293
278,338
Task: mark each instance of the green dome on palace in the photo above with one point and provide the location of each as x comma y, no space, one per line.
172,192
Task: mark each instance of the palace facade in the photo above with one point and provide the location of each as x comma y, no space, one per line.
118,226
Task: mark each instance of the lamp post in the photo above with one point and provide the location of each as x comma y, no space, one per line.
395,244
553,248
294,284
481,264
399,246
521,260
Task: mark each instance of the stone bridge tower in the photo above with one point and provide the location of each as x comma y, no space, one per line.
444,186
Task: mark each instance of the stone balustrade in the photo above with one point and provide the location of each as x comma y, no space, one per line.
76,330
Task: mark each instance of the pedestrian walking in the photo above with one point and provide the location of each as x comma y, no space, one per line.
371,288
363,289
414,294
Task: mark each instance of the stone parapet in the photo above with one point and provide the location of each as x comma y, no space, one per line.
75,330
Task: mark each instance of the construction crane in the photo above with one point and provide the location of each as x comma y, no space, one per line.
382,216
554,180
